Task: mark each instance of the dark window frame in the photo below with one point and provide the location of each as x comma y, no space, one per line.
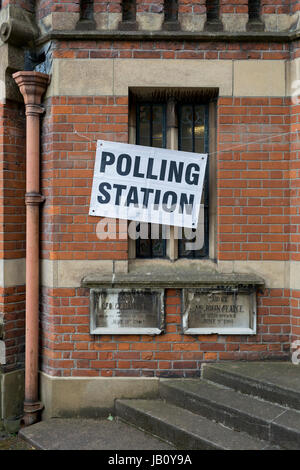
204,252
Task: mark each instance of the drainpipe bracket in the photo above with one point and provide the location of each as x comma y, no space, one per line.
34,109
34,199
31,413
33,407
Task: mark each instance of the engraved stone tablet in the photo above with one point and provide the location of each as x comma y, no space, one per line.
126,311
222,311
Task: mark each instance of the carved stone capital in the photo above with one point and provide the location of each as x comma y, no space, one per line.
32,85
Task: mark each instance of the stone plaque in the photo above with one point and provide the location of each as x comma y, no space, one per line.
222,311
126,311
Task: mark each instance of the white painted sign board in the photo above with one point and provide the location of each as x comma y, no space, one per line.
147,184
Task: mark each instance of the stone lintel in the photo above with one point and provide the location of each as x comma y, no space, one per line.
248,36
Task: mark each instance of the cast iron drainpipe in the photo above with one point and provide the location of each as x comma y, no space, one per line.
32,85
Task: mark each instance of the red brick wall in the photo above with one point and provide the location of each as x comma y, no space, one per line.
69,350
12,309
295,6
234,6
113,6
12,135
295,211
197,7
153,6
253,179
254,219
169,50
71,128
25,4
44,7
275,6
258,207
12,226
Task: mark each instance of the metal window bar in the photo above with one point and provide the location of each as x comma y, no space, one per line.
149,248
203,253
171,10
212,10
128,10
254,10
86,9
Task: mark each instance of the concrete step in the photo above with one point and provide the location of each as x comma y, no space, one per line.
184,429
275,382
89,434
285,430
222,404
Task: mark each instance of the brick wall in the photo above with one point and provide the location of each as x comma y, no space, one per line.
258,207
295,212
69,350
196,7
44,7
295,6
113,6
254,219
71,128
12,308
275,6
169,50
12,226
12,181
233,6
27,5
253,179
153,6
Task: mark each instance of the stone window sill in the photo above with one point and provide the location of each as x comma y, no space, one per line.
172,279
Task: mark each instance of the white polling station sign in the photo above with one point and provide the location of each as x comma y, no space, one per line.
147,184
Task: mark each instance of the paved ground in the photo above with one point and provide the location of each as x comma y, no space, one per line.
90,434
13,442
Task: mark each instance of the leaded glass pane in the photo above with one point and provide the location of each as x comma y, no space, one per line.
171,10
157,126
151,131
212,10
144,128
186,128
193,137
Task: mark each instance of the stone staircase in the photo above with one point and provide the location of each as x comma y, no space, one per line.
236,406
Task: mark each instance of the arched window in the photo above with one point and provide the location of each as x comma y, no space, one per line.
254,10
128,10
171,10
212,10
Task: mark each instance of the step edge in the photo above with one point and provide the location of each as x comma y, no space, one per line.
257,384
246,436
227,407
